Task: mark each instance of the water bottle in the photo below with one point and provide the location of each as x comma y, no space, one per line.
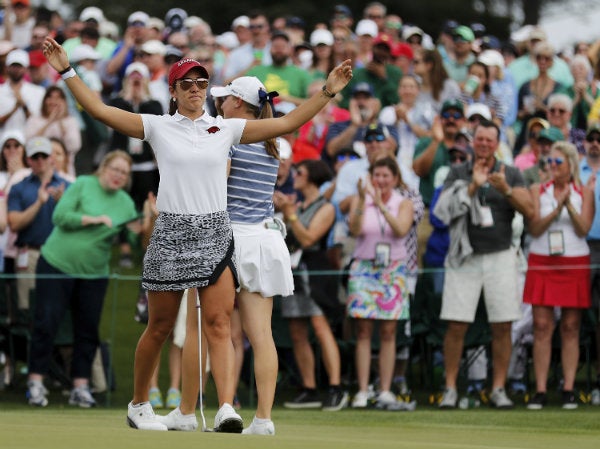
467,402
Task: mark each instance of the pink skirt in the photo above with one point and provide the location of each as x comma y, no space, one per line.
558,281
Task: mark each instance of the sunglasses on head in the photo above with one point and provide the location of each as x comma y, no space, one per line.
455,115
187,83
375,138
555,160
591,139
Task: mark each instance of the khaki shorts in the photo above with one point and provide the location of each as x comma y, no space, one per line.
495,273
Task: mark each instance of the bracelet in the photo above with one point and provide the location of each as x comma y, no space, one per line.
70,73
358,211
62,72
292,218
327,92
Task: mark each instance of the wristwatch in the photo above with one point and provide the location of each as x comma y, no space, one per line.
508,193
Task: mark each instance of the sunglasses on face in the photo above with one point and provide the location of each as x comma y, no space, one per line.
187,83
375,138
554,160
37,156
543,58
557,111
457,158
346,157
256,26
455,115
592,139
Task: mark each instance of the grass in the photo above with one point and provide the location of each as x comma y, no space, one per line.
66,428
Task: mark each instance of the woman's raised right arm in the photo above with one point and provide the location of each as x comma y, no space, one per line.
125,122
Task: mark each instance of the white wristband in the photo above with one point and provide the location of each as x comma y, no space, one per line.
70,74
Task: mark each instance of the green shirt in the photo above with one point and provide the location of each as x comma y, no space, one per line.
287,80
84,251
441,159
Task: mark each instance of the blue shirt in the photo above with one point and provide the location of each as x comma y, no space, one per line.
585,171
24,194
251,183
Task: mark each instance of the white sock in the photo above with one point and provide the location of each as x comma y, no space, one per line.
261,420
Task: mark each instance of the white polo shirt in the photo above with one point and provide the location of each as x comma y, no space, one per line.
192,160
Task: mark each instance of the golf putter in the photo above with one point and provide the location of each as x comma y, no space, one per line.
199,310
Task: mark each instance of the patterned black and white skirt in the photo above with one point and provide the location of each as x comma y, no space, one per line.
188,251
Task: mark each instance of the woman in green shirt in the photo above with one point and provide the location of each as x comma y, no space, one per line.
73,272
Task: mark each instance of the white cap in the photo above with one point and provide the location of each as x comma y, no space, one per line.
193,21
321,36
241,21
138,16
154,47
367,26
228,40
285,149
411,31
491,58
38,145
108,29
478,109
155,22
82,52
244,87
138,67
91,13
18,56
14,134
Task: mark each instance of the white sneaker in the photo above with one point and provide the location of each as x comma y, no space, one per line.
142,417
449,399
500,400
36,393
82,397
360,399
228,421
386,398
175,420
263,428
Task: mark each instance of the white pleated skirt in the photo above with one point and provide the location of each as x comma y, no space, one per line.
263,260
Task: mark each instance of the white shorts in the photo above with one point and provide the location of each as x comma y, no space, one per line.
180,322
496,273
263,260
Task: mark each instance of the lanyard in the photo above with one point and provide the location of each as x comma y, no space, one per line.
381,225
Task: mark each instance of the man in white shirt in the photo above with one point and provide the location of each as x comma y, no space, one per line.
18,98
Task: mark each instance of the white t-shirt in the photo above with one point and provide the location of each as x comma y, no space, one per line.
192,160
31,94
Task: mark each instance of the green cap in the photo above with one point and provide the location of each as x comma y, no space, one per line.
552,134
453,103
464,33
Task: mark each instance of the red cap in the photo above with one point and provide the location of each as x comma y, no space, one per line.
403,49
383,38
36,58
180,68
23,2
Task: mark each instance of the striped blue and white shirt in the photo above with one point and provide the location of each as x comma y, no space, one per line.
251,183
